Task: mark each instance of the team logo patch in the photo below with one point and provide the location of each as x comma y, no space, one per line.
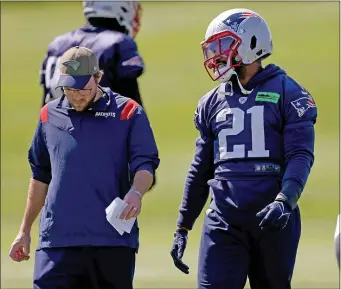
242,99
236,19
105,114
267,168
303,104
267,96
74,64
134,61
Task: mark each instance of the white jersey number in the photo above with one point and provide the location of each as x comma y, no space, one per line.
51,77
238,124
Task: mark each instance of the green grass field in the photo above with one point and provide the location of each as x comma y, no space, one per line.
306,43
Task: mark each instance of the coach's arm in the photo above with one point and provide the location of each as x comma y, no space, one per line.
143,156
39,161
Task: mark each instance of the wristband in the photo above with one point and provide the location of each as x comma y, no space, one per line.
136,191
290,193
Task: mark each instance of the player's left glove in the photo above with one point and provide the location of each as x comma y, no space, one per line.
178,249
274,215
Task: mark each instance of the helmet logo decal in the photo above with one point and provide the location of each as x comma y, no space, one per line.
233,21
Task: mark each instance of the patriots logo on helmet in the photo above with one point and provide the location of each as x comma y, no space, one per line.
234,20
303,104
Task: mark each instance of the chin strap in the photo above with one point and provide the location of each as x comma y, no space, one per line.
242,89
228,81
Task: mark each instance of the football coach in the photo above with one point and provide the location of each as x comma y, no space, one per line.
84,147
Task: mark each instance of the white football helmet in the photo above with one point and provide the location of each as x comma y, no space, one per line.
235,37
127,13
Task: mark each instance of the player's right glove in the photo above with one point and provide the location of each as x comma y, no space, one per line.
178,249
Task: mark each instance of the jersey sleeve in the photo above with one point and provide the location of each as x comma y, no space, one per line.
42,82
143,151
42,71
201,169
129,61
201,124
49,72
38,155
300,115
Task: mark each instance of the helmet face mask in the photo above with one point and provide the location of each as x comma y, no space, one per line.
221,53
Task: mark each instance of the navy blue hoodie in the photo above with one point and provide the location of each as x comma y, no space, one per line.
85,158
251,146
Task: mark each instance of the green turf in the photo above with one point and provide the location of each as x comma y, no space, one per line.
306,41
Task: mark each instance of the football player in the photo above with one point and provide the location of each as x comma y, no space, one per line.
254,154
110,31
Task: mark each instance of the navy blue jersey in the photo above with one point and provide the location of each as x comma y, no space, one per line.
118,58
84,157
268,133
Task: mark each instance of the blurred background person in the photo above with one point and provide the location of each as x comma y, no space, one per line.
110,31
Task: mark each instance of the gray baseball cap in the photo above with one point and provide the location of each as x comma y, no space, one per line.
77,66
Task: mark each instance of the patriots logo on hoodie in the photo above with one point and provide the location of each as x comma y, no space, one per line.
303,104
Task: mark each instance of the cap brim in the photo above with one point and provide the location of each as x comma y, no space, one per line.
73,81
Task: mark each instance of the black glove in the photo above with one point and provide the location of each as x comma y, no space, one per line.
274,215
178,249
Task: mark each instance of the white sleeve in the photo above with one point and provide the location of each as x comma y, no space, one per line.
337,240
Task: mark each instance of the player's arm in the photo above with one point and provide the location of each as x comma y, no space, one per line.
42,83
129,66
300,114
196,190
39,161
49,75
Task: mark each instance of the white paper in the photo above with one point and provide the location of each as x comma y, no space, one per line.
128,224
113,212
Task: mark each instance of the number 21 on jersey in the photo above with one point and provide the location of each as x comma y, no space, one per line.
238,125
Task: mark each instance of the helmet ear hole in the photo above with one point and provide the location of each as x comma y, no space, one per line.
253,42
